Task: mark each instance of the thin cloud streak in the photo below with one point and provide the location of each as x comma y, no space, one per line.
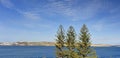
88,10
30,15
7,3
26,14
77,13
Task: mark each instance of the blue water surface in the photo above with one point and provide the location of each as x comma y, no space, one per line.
49,52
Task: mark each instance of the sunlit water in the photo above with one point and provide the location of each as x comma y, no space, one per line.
49,52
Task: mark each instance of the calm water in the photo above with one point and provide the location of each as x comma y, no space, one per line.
49,52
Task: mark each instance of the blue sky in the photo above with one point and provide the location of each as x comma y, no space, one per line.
38,20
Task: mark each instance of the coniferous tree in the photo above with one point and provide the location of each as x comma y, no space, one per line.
66,46
60,42
70,43
84,45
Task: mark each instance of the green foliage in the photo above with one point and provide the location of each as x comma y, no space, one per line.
70,54
68,47
84,44
70,43
60,42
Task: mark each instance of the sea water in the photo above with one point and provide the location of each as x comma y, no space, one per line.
49,52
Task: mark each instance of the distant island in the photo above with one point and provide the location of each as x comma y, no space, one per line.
27,43
45,44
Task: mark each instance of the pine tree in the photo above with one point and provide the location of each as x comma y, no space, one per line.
66,45
60,42
84,45
70,43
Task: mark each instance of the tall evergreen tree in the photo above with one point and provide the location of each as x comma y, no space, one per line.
60,42
66,46
84,45
70,43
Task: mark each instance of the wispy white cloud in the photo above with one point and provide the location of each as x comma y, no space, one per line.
26,14
33,15
78,12
59,7
70,9
7,3
30,15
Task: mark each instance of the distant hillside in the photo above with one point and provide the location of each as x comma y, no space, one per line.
44,44
28,43
101,45
41,43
